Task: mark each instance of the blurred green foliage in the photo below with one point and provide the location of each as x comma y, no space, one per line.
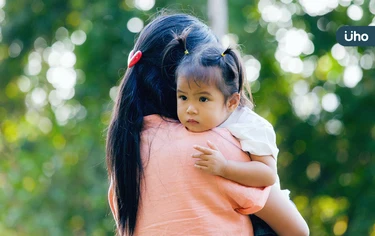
53,121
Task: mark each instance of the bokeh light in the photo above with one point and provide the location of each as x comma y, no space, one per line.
15,48
2,17
301,87
78,37
24,83
293,43
61,34
352,75
61,77
40,44
113,93
144,5
355,12
334,127
318,7
345,3
34,65
340,227
135,25
45,125
313,171
306,105
330,102
2,3
372,6
252,67
367,61
228,40
338,52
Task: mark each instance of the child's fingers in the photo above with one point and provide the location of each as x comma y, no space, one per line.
212,145
205,150
201,163
196,155
200,167
201,156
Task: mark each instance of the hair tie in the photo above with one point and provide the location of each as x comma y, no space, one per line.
186,52
222,54
134,58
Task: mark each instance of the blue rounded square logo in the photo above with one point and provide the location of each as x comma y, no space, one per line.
356,35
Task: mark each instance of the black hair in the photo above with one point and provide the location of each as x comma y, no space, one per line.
212,64
147,88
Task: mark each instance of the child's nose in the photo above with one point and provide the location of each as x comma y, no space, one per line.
191,110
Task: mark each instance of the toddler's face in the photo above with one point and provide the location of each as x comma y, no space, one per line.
200,106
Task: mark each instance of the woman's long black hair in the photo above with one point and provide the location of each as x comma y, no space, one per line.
147,88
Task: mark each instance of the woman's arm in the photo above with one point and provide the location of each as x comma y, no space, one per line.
282,216
260,172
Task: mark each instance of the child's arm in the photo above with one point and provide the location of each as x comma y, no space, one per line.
259,172
282,216
279,212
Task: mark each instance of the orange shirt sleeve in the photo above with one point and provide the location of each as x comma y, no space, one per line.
245,200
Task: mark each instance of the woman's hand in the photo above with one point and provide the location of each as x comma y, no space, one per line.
210,159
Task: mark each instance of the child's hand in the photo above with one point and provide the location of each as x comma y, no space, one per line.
210,160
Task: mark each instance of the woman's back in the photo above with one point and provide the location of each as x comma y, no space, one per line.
177,198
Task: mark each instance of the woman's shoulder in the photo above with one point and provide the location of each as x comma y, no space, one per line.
156,121
173,131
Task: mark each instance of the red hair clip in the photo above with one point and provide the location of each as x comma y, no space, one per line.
134,58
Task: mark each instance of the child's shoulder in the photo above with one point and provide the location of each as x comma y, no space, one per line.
248,116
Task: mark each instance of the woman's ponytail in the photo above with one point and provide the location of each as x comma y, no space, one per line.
123,152
174,52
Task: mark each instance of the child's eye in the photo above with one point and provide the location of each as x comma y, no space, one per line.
203,99
182,97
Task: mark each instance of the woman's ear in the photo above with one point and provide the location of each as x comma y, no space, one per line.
233,102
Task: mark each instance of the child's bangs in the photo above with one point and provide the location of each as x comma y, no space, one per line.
210,75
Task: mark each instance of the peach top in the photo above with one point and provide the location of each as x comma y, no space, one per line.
179,199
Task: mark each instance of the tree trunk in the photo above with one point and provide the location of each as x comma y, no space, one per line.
218,17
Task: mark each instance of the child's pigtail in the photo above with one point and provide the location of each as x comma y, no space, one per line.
243,87
227,51
237,66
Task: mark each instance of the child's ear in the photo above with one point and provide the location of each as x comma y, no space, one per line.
233,102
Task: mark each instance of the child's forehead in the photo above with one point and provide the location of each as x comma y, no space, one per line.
197,70
200,75
194,83
197,87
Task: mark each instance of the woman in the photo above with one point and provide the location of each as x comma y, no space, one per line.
146,98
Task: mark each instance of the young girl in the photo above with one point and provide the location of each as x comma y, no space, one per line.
210,94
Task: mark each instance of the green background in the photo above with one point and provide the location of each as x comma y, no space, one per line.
52,162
